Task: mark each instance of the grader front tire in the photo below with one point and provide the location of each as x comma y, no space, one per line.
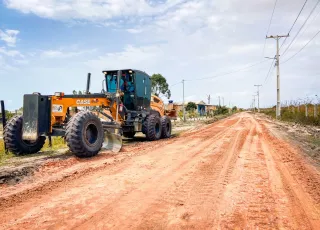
84,134
166,127
152,127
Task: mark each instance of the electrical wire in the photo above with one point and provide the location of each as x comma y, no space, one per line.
176,84
305,29
235,71
301,48
293,23
268,74
301,28
274,7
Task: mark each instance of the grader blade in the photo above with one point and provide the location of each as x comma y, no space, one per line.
112,142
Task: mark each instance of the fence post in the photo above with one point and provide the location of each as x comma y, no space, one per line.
306,110
4,122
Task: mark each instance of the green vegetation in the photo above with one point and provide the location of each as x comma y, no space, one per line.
57,143
9,115
234,109
221,110
160,86
191,106
294,115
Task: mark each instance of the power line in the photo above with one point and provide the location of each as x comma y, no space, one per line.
235,71
305,29
274,7
301,27
302,47
293,23
265,80
175,84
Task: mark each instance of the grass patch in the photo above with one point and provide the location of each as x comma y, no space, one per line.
315,141
57,143
296,117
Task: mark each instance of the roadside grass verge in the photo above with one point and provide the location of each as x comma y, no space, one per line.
296,117
57,144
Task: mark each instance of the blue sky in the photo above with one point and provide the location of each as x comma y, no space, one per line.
51,45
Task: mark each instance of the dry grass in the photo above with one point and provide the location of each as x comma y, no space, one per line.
57,143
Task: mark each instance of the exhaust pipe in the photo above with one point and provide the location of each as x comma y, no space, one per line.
88,83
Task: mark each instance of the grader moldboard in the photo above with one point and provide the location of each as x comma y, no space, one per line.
126,105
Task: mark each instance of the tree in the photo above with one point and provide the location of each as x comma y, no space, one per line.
191,106
234,109
159,86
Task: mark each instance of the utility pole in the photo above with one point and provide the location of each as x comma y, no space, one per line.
219,101
209,97
277,37
254,103
184,112
222,101
258,93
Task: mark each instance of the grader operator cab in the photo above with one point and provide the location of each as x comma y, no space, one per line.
125,103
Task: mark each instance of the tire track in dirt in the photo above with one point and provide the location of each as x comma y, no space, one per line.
117,217
193,202
193,143
300,180
75,168
232,174
248,201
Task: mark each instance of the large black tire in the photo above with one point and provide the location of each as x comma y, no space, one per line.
129,134
84,134
12,135
166,127
152,127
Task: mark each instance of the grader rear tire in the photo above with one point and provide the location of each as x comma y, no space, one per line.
12,135
152,127
166,127
84,134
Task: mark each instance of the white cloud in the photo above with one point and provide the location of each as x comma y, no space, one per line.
10,53
4,66
134,31
9,36
244,48
62,53
90,10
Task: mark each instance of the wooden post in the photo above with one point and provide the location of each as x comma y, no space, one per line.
4,122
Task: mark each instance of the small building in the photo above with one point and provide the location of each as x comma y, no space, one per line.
203,109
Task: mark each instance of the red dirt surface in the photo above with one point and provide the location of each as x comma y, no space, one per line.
233,174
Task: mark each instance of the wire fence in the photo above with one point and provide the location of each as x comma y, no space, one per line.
304,112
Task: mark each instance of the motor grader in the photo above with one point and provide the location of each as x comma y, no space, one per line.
125,103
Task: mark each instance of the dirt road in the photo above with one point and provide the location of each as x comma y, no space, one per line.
233,174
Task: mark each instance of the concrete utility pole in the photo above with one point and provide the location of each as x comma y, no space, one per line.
315,113
258,93
219,100
277,37
254,103
183,109
222,101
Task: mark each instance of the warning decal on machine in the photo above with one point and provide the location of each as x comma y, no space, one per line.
57,108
